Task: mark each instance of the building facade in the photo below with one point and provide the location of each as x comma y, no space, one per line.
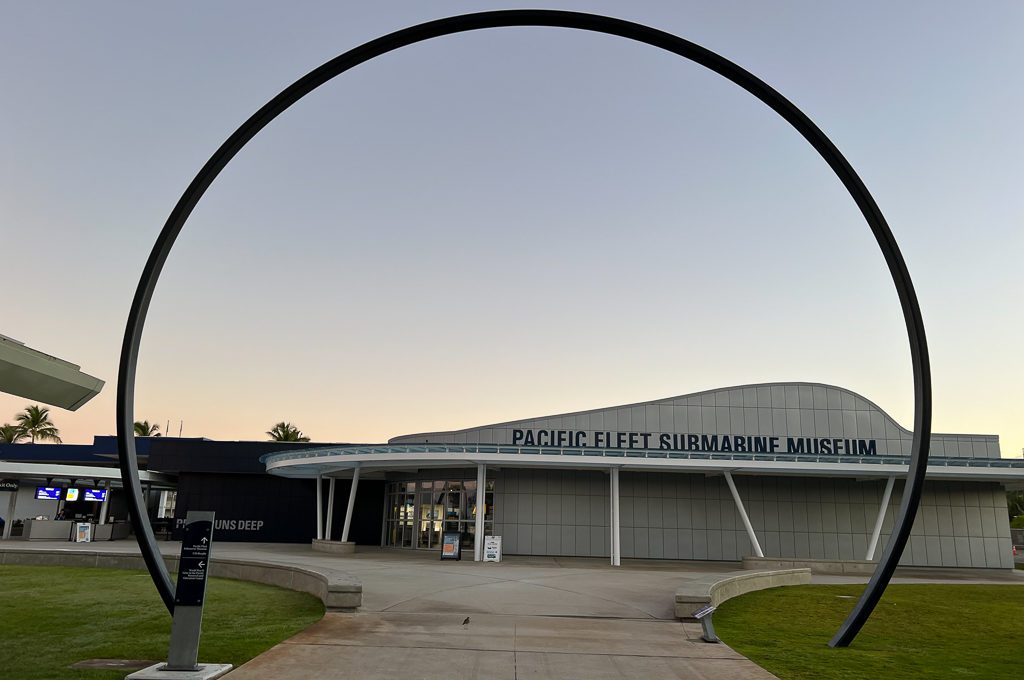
786,470
817,470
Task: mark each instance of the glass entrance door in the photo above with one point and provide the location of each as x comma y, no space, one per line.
431,513
419,513
400,516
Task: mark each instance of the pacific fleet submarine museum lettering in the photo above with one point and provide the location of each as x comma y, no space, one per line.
813,467
725,443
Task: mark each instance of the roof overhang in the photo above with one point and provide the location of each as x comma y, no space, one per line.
25,372
339,461
69,472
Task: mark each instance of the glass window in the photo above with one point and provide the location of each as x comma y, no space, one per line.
419,512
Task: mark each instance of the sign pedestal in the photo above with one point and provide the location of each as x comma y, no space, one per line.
204,671
189,595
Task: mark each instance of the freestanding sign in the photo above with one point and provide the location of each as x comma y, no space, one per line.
194,563
83,532
492,548
451,546
189,595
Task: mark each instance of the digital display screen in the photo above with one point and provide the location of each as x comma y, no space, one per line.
48,493
96,495
72,495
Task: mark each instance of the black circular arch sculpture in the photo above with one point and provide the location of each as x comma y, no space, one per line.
559,19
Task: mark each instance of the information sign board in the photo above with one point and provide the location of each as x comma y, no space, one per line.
194,564
96,495
71,495
451,546
83,532
8,484
492,548
48,493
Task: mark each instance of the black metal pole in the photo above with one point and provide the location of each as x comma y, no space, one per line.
559,19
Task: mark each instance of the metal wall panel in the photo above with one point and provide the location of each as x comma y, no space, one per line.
692,517
778,409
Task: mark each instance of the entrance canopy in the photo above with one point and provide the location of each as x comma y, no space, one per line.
25,372
337,460
43,471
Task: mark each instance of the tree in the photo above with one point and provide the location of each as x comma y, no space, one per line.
11,434
1015,503
286,432
144,429
36,423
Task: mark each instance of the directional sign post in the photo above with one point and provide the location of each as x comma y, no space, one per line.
193,567
194,563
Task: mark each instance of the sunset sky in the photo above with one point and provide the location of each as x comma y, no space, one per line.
511,223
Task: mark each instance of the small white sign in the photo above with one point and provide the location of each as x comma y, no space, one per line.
83,532
492,548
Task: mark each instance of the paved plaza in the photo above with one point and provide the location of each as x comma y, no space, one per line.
527,617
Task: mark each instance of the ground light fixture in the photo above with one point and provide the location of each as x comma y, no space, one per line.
556,19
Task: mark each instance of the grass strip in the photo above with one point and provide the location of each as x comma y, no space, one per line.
916,631
52,617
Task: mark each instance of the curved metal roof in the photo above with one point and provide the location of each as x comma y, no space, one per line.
338,460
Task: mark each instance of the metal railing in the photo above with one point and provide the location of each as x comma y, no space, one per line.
635,453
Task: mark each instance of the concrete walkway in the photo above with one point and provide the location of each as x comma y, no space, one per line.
418,582
434,646
529,617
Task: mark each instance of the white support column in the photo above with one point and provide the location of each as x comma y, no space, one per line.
616,529
611,515
384,517
481,510
106,501
743,515
330,509
319,507
886,495
351,504
9,518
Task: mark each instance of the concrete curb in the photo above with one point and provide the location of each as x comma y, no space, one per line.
336,589
834,567
340,547
716,589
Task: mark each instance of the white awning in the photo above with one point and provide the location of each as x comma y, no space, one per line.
25,372
69,472
309,463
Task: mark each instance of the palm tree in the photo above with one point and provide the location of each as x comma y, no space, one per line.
144,429
11,434
36,423
286,432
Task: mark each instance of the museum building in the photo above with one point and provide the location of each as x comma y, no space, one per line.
785,470
796,471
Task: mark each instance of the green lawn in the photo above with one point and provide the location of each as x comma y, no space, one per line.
917,631
51,617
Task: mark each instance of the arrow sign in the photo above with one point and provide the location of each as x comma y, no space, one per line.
193,564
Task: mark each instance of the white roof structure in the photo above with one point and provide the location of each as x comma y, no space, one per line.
29,373
60,471
804,429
